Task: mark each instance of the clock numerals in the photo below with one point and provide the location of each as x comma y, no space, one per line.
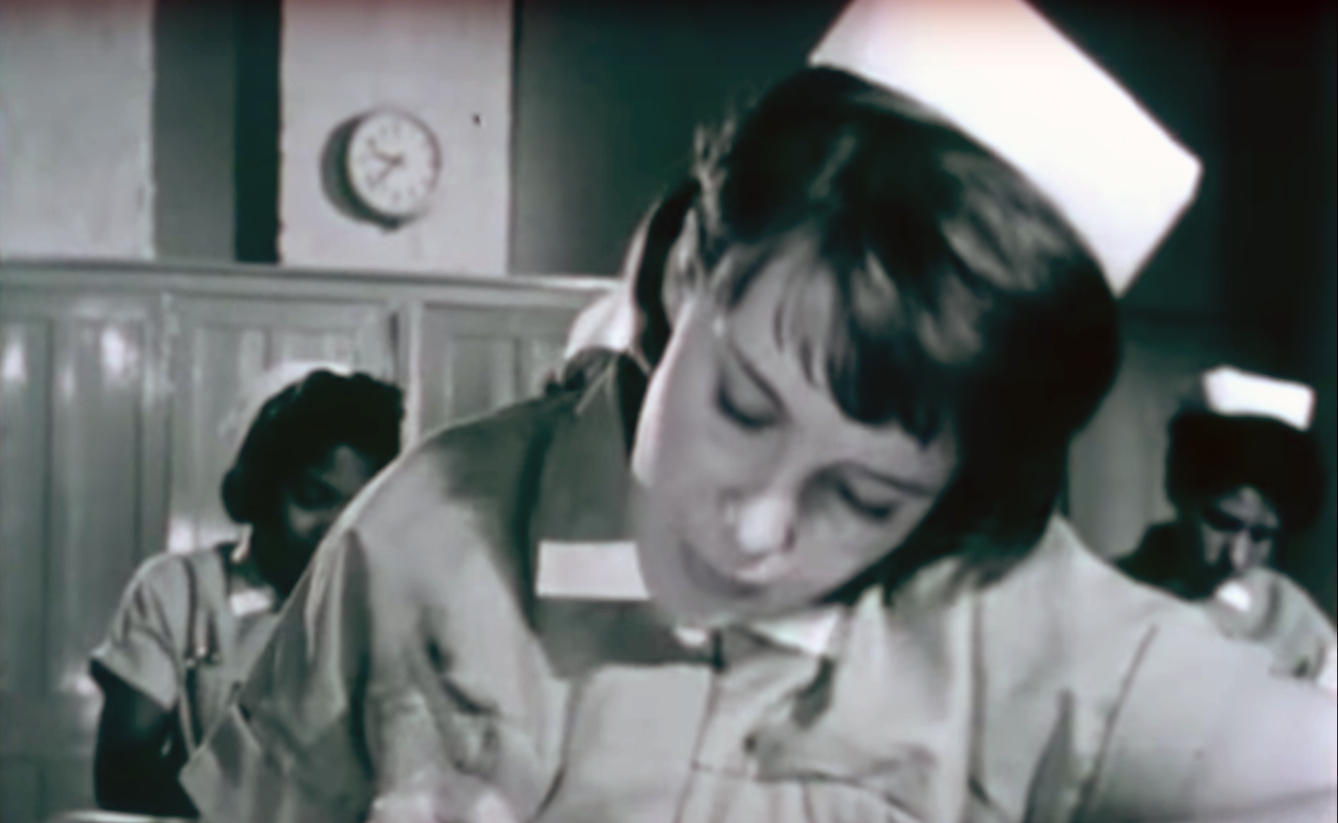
392,164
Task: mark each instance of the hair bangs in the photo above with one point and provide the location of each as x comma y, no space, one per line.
890,337
899,343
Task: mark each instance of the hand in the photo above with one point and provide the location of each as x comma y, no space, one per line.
391,162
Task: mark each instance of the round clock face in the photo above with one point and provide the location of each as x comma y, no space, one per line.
392,163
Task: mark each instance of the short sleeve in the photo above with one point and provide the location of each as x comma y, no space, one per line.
141,647
1311,634
1205,728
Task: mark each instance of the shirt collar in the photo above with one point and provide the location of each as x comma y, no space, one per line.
812,631
247,590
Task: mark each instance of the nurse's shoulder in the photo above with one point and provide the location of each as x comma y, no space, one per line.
1169,719
432,558
167,585
483,462
1065,616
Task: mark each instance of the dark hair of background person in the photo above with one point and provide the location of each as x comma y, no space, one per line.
1211,455
299,426
964,301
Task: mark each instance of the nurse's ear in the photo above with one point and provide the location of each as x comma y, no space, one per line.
682,269
651,266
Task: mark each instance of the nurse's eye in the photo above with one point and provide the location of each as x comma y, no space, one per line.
748,415
874,511
312,494
1221,521
1260,534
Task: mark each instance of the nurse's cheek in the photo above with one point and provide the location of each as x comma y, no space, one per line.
306,527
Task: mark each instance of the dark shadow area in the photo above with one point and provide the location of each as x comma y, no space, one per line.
607,96
194,97
256,129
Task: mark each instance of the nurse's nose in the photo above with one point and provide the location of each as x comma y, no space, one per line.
1242,550
765,524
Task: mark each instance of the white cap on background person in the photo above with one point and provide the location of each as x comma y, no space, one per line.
1230,392
997,70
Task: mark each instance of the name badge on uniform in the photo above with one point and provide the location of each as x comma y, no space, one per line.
250,601
590,571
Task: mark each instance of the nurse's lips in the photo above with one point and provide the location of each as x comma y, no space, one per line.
703,573
745,581
765,570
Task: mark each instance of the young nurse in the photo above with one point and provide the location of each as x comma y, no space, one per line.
795,557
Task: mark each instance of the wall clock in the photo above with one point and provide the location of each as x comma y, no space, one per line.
390,164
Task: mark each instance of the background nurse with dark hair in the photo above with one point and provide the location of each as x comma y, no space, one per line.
1244,474
189,625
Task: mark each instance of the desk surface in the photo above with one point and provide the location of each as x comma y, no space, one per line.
100,816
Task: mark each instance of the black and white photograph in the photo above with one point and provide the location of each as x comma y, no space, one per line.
668,411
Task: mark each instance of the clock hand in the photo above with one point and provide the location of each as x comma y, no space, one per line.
392,162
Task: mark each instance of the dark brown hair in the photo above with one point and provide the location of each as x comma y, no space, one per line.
1211,455
299,426
962,299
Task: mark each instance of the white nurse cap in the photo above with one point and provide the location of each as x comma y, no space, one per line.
608,323
1000,72
1234,393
